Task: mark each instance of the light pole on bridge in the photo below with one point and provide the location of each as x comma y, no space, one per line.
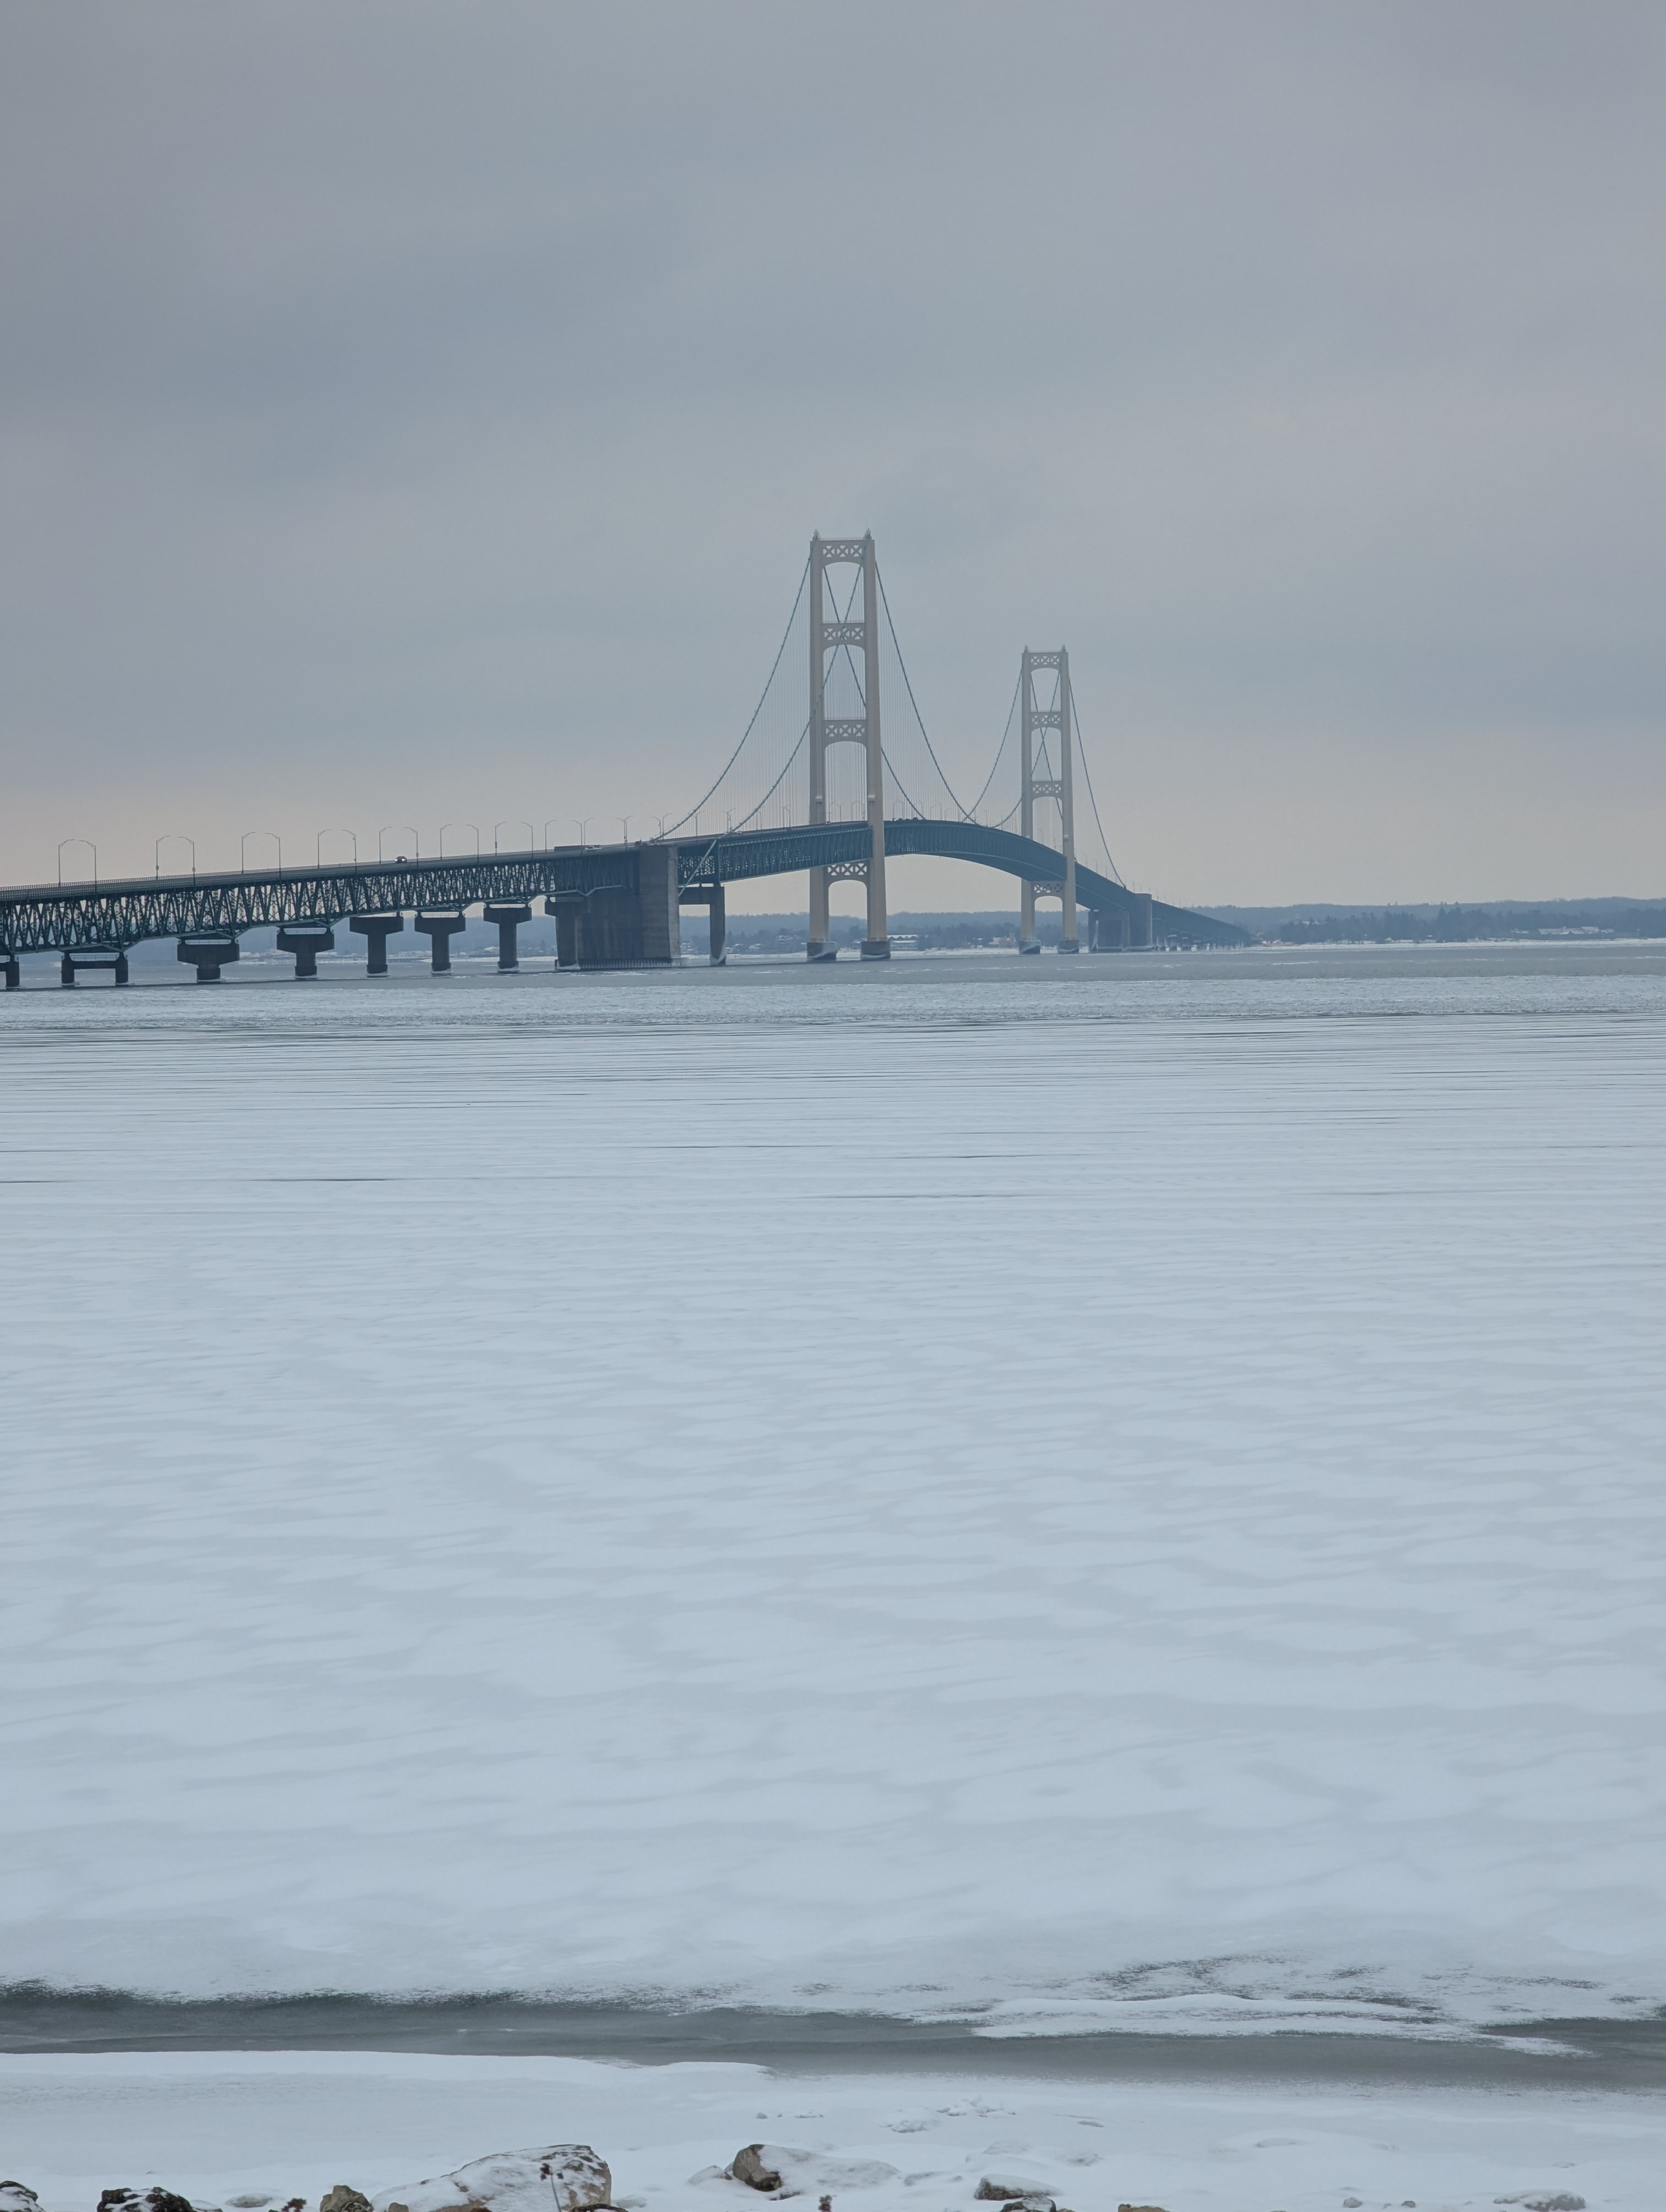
176,837
581,827
508,824
318,847
243,849
444,826
625,825
416,841
91,847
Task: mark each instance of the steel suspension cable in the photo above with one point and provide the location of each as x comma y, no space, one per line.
1000,750
1087,777
913,701
756,711
774,787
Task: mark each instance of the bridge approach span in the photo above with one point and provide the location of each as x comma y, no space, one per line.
614,905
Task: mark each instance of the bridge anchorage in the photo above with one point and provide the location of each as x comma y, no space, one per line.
805,791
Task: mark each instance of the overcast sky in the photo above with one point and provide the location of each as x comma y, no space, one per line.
418,413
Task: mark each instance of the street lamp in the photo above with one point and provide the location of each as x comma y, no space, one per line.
318,845
91,847
416,841
444,826
176,837
526,826
546,832
581,827
625,825
243,849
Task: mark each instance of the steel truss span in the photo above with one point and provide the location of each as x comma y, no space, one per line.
110,918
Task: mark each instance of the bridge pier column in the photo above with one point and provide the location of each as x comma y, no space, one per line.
509,919
710,896
306,945
565,914
639,928
439,929
376,929
720,929
1140,924
817,945
1110,929
73,964
208,955
14,973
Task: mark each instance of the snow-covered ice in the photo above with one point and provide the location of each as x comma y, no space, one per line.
288,2125
1114,1509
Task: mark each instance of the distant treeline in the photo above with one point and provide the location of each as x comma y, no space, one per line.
923,933
1459,925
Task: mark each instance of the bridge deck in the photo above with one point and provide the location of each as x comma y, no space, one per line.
110,917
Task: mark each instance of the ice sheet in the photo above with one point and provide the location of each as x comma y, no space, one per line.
1145,1521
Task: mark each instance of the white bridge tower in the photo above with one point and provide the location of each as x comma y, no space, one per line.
1037,720
830,632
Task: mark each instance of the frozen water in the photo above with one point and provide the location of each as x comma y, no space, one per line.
1118,1502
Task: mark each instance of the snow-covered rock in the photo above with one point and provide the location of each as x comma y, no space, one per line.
777,2169
14,2197
562,2178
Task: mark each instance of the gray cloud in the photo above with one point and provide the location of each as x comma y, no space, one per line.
410,411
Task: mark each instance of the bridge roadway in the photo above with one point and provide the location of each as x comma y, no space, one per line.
614,905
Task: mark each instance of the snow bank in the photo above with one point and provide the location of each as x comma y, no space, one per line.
283,2125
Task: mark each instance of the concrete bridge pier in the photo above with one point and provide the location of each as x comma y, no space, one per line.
564,913
376,929
1110,929
208,955
306,945
72,964
14,973
509,919
1140,927
639,928
440,929
710,896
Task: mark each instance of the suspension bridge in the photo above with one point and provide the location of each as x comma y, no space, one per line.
833,776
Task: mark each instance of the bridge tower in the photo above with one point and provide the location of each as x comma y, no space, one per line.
829,634
1037,720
